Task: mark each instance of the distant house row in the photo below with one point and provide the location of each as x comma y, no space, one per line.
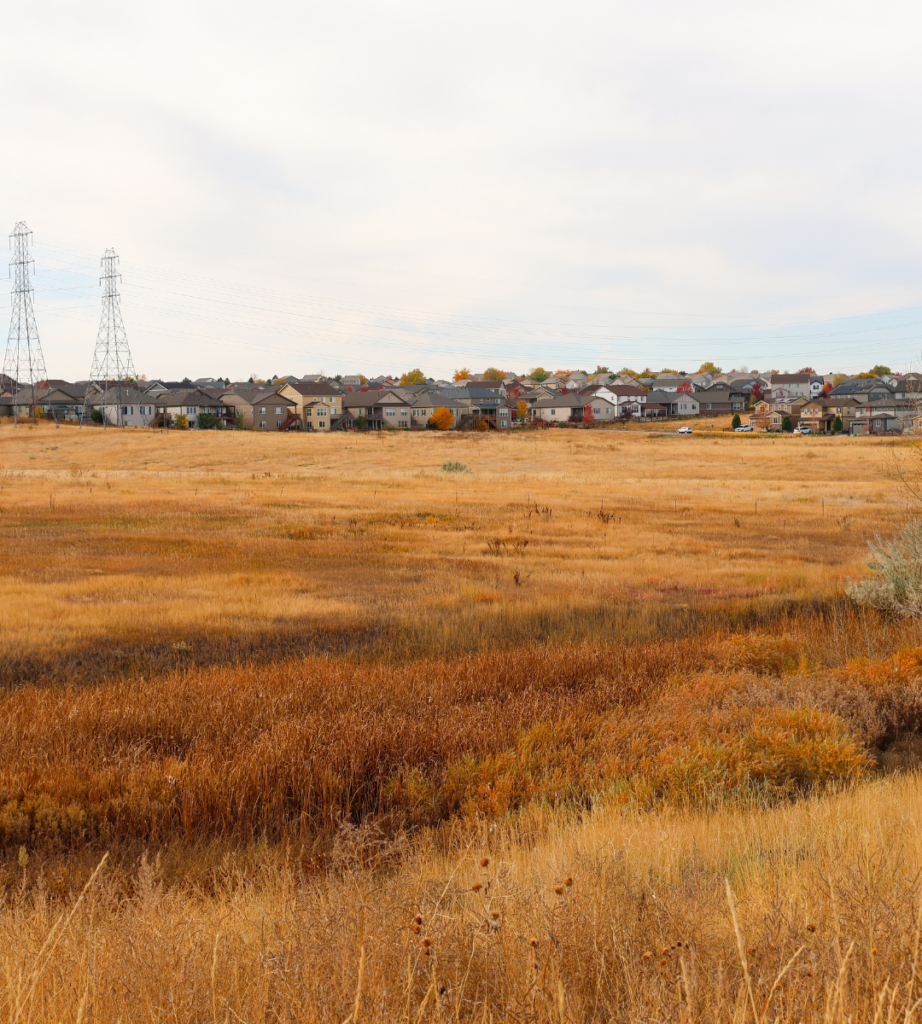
858,405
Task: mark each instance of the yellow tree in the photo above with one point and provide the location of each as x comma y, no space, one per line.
463,374
522,410
491,373
442,418
708,367
413,377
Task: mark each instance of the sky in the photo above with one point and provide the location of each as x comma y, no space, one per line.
366,187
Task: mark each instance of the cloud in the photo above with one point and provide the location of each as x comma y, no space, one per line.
360,185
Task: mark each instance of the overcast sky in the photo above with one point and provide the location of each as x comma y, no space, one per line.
360,187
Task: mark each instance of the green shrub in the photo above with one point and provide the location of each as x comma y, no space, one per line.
208,422
786,424
837,425
454,467
896,580
96,415
736,421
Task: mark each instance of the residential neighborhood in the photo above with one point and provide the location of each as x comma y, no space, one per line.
806,402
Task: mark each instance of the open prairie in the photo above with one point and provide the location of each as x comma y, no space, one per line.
296,688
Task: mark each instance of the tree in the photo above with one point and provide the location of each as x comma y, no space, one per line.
361,423
786,424
602,369
441,419
839,378
185,380
880,370
181,422
685,387
708,367
539,374
827,389
736,421
588,415
491,373
521,410
463,374
674,373
757,393
96,415
208,422
837,425
807,369
481,424
413,377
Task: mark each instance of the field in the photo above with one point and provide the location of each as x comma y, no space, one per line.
295,690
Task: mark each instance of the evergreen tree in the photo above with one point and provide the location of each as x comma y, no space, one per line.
786,424
837,425
736,422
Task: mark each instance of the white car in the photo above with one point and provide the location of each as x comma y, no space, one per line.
684,430
802,431
746,428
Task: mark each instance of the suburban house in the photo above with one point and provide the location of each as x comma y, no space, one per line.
769,413
796,385
191,403
379,409
675,403
599,409
866,389
559,409
123,406
261,409
720,399
628,397
820,413
883,416
317,403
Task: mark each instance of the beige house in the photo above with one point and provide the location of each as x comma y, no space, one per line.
317,403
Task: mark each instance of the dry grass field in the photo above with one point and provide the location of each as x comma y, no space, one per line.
295,688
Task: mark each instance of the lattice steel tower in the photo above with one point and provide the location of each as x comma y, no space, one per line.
23,361
112,358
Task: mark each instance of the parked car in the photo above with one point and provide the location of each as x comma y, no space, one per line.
684,430
802,431
746,428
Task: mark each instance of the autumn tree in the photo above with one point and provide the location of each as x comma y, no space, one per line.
880,370
463,374
413,377
539,374
442,418
708,367
588,415
181,422
521,410
491,373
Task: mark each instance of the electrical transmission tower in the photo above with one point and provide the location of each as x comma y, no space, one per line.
23,362
112,358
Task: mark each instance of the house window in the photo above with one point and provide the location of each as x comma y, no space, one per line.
262,424
321,412
307,412
389,412
278,410
553,412
262,411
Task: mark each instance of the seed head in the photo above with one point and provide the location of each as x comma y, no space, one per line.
485,862
874,950
427,943
417,919
494,914
752,951
534,943
811,927
797,949
568,881
476,886
662,962
558,889
647,956
664,951
417,929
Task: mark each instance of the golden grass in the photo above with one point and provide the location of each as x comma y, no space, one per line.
298,687
145,540
826,894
